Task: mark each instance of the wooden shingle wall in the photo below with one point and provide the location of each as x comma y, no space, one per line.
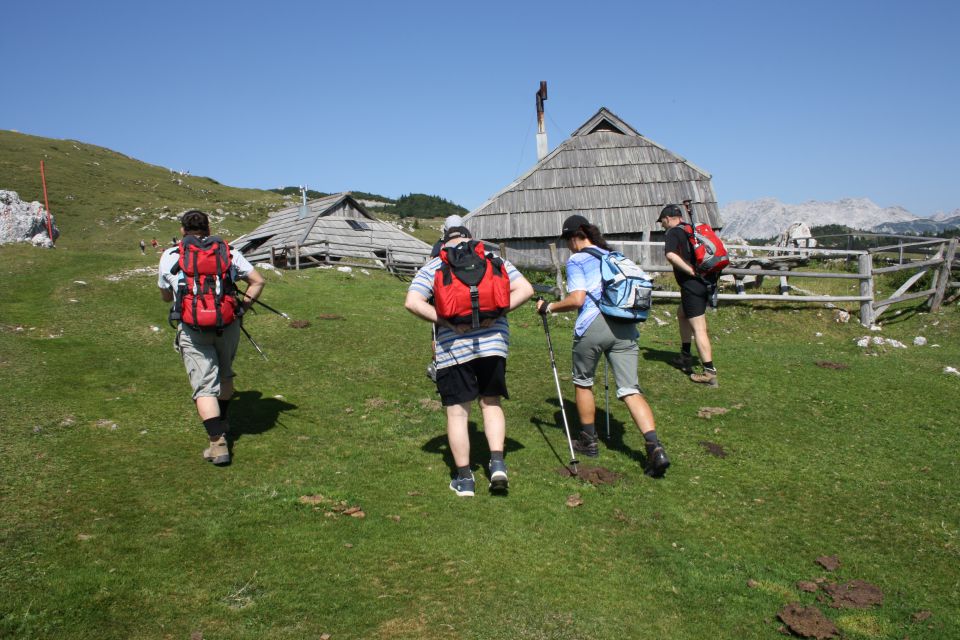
607,172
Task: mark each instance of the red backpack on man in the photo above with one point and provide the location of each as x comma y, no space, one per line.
207,294
470,284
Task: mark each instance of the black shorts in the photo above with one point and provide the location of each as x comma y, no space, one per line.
470,380
694,295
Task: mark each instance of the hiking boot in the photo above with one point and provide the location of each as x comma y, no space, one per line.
657,463
587,445
684,362
498,476
218,452
463,486
708,377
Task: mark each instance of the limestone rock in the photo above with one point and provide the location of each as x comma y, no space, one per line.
23,221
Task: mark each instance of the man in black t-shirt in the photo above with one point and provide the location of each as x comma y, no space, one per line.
695,293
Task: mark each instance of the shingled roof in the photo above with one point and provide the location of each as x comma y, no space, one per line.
605,171
337,224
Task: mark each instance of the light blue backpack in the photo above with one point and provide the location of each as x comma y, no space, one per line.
627,292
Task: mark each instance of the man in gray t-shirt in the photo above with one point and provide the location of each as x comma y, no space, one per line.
207,353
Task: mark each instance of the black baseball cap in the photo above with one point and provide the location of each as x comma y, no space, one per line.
670,211
573,224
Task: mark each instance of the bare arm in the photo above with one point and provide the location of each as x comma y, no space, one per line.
256,283
572,302
520,291
680,264
166,295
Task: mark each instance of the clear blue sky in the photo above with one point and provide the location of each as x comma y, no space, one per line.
811,100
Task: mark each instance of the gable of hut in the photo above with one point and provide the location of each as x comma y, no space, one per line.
606,171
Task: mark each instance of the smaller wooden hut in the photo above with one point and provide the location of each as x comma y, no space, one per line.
605,171
336,228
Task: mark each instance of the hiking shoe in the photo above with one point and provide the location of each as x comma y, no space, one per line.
708,378
587,445
657,463
218,452
684,362
463,486
498,476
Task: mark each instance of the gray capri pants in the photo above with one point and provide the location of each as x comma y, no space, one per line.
618,340
208,357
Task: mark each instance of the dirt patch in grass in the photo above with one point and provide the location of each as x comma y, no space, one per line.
713,448
709,412
830,563
299,324
329,316
594,475
856,594
807,622
826,364
430,404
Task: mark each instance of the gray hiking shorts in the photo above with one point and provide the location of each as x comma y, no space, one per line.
616,340
208,357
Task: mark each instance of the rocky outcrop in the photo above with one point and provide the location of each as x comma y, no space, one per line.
23,221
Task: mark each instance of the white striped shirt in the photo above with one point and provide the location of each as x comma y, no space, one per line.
454,348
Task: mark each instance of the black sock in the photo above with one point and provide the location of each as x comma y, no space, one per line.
464,472
685,348
709,365
214,428
496,455
223,408
589,429
651,440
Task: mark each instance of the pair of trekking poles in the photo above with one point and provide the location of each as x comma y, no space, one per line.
563,412
247,333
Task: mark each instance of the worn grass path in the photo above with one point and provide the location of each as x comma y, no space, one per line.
112,526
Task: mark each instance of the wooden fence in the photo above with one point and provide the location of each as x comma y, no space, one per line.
325,253
756,261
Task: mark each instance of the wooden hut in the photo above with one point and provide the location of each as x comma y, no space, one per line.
606,171
336,228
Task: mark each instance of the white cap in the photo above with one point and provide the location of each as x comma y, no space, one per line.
451,222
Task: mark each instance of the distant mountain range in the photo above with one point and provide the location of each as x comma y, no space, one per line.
767,217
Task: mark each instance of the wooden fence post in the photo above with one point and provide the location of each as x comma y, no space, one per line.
944,276
865,264
503,251
555,258
297,254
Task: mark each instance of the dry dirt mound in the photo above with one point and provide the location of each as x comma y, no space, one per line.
807,622
594,475
856,594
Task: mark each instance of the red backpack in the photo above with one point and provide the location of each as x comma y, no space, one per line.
206,294
709,254
470,285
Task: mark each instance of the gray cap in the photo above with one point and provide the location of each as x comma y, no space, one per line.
453,228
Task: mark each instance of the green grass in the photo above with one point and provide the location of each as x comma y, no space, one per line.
128,533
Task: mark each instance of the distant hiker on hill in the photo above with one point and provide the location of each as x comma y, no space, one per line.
208,322
143,248
472,336
596,335
154,243
695,294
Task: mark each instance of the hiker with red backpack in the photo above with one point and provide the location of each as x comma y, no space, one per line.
604,332
199,275
698,282
472,290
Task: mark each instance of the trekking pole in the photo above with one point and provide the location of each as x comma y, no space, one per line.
556,378
252,341
688,205
265,306
606,387
269,308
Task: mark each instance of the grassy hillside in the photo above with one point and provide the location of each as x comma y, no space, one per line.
101,198
113,526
